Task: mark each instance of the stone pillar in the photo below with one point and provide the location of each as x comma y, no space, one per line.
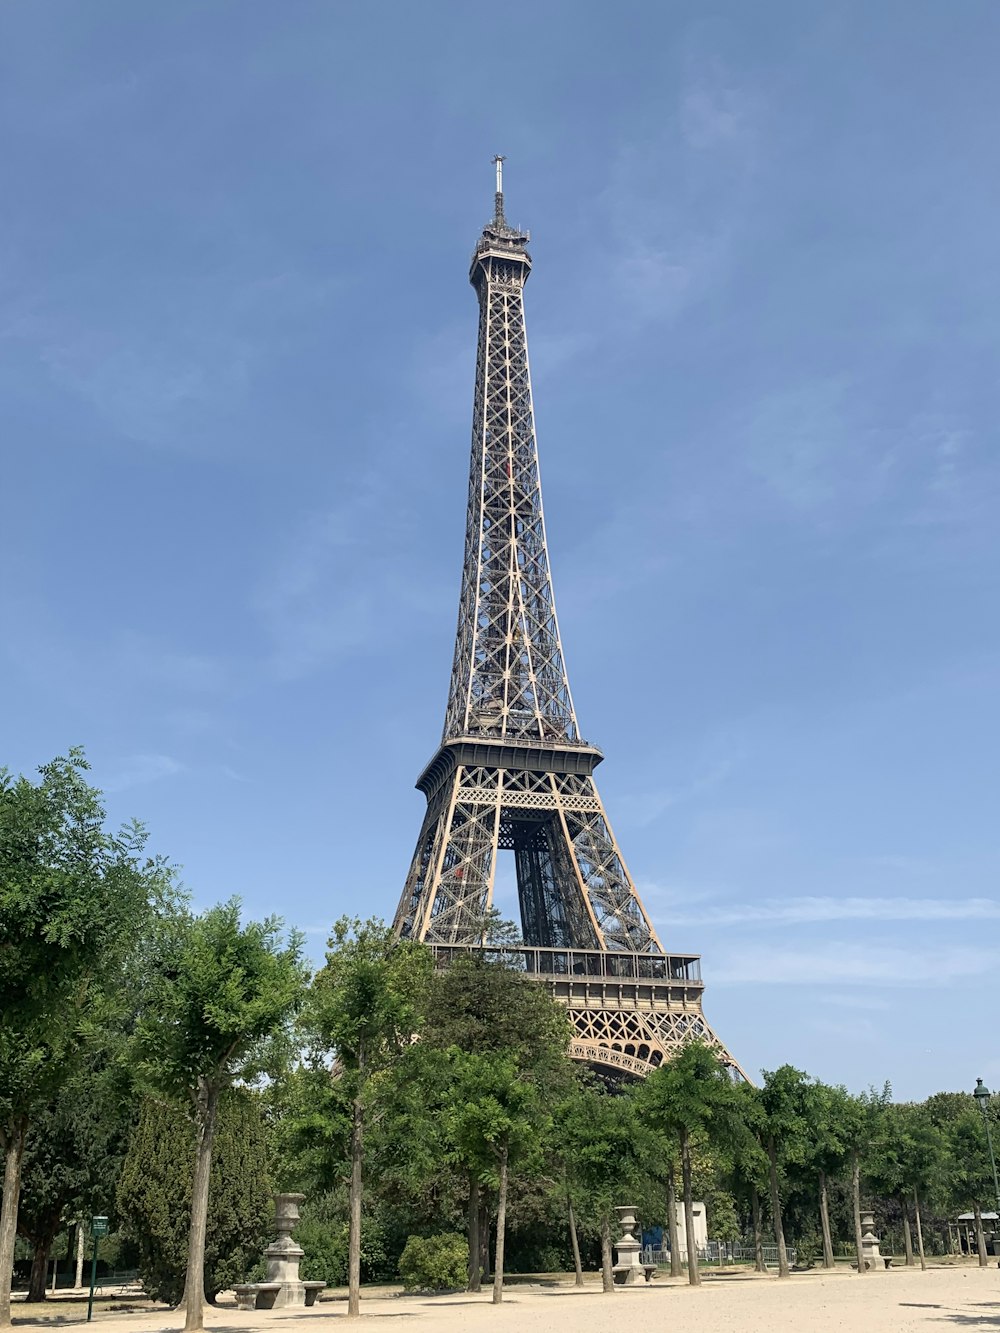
283,1255
629,1268
871,1256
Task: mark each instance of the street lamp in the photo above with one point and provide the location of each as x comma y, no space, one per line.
982,1096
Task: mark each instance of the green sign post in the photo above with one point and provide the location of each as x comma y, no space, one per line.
98,1228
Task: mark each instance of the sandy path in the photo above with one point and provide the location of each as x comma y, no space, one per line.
893,1302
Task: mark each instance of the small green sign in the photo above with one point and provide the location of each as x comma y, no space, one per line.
98,1226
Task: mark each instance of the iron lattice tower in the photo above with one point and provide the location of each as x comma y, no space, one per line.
512,771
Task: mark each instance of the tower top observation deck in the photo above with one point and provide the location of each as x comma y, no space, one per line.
499,238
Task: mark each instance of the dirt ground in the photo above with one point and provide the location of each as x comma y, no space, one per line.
899,1301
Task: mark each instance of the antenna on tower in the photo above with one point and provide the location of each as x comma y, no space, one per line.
498,162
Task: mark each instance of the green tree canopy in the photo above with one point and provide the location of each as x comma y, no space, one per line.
218,995
73,898
686,1099
365,1007
154,1194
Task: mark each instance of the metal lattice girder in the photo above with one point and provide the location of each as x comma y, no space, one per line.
512,772
508,678
584,895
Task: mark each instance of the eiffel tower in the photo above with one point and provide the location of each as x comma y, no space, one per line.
512,772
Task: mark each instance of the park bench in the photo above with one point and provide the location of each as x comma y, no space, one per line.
649,1271
123,1283
262,1295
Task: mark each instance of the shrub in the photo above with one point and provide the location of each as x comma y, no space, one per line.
808,1249
323,1234
325,1244
154,1195
435,1263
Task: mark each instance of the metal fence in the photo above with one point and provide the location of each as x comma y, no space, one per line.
719,1252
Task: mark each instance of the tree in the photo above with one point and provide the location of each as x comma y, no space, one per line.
365,1006
497,1119
690,1096
969,1175
860,1122
480,1005
828,1112
747,1161
601,1140
784,1098
73,897
906,1165
74,1153
219,993
922,1158
153,1196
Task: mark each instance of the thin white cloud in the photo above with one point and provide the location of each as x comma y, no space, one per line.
343,582
840,964
910,864
145,658
43,650
663,252
162,365
644,808
139,769
666,896
857,1000
811,910
715,112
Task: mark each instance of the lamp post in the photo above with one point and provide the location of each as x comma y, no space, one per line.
98,1228
982,1096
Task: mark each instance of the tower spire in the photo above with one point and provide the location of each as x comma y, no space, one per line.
499,220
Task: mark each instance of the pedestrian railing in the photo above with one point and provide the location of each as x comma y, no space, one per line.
719,1252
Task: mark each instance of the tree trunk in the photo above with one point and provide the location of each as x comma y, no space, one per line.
824,1217
13,1156
694,1277
194,1285
607,1276
485,1220
78,1282
856,1195
758,1240
39,1270
672,1231
907,1237
920,1233
354,1225
574,1241
475,1248
779,1231
501,1228
980,1237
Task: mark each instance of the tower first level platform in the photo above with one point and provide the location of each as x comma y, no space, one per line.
628,1012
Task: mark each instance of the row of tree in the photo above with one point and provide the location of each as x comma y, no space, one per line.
172,1068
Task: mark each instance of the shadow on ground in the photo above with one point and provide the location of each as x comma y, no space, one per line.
974,1320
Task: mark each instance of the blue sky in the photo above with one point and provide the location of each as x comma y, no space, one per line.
235,394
